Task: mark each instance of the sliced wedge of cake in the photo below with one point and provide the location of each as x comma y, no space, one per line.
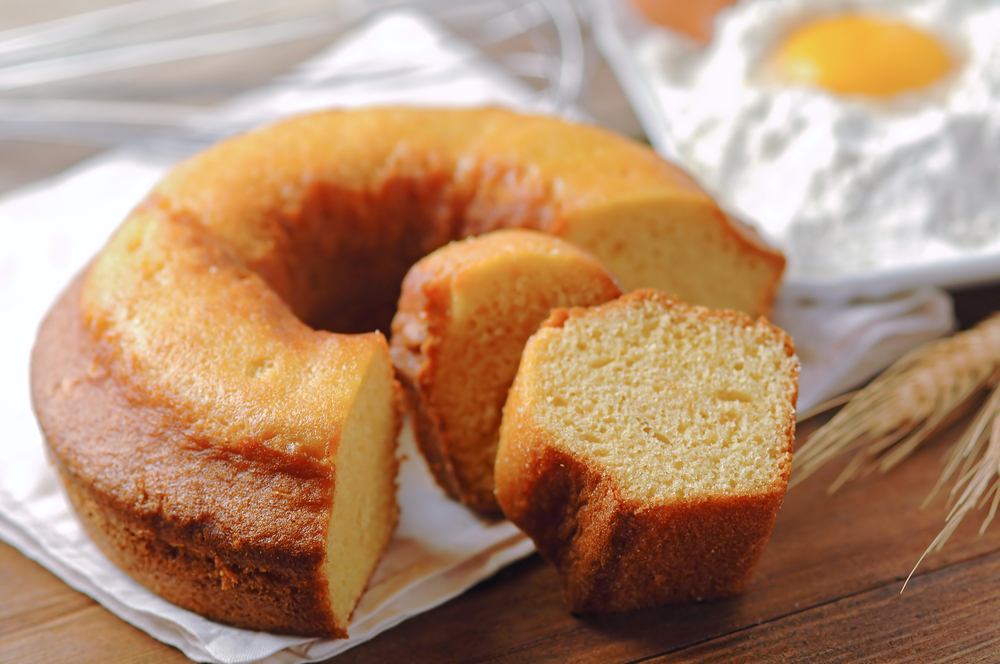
464,316
646,446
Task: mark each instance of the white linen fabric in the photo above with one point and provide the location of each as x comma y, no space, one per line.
842,346
50,230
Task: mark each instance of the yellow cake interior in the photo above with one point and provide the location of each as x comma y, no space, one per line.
364,506
672,402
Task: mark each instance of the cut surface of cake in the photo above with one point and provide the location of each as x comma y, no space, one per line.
646,446
464,316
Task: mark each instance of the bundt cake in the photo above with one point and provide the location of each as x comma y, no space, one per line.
465,313
645,448
216,442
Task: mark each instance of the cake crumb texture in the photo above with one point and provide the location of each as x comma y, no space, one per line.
646,447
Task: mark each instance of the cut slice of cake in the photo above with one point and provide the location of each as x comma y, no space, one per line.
464,315
646,446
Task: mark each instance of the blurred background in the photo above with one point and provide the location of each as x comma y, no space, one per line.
80,76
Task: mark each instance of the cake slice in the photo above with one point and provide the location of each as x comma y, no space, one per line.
464,315
646,446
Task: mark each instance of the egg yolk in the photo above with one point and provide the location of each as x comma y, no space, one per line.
862,55
694,18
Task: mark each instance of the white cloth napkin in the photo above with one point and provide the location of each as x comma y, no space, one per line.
842,346
48,231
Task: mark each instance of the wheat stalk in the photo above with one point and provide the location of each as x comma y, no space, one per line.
979,474
913,399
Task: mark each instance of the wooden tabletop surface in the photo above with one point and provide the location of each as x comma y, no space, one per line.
827,588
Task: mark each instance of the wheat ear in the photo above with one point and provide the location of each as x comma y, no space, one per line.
911,400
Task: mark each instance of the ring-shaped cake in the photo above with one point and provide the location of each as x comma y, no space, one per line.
220,412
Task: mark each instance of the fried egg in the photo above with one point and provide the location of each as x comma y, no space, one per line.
863,137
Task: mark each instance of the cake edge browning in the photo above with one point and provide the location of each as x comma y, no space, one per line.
411,360
251,554
615,555
422,332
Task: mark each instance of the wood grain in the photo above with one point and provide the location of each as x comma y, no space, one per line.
41,597
44,620
945,616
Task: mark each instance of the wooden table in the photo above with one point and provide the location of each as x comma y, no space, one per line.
827,588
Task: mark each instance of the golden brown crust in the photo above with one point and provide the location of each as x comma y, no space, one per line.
220,533
615,554
414,346
423,346
612,555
